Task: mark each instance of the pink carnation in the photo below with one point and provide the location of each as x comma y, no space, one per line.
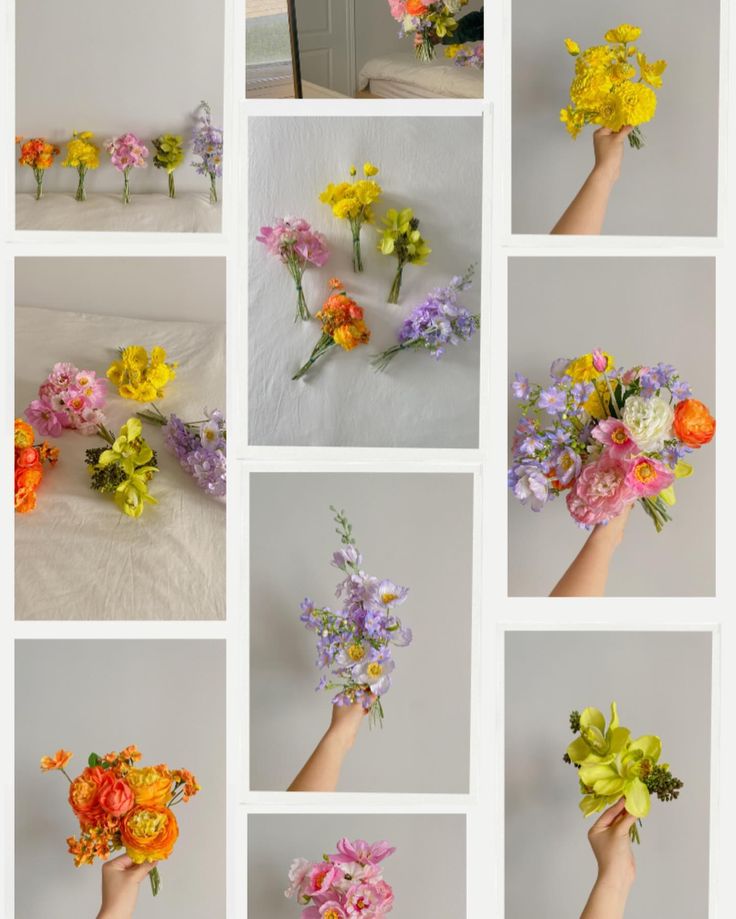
294,236
127,151
600,492
68,398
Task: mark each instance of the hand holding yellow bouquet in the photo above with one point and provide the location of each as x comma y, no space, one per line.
607,90
352,201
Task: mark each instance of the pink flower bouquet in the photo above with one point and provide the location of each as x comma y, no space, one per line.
68,398
347,884
294,242
127,152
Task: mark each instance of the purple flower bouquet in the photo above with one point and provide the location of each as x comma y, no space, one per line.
207,145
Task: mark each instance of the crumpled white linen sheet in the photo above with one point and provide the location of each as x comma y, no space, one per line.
400,75
76,555
149,213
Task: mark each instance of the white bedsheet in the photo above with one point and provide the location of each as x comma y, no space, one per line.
399,75
152,213
76,555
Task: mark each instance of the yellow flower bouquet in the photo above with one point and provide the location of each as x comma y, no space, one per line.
82,154
139,376
352,201
607,89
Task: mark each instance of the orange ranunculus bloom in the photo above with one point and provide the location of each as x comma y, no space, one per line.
84,796
416,7
27,457
149,833
25,501
694,424
23,434
57,761
352,334
150,785
28,479
115,795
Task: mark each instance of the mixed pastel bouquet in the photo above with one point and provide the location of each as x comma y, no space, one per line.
82,155
354,642
69,398
124,468
342,324
402,239
293,241
607,90
429,21
467,55
353,201
139,376
39,154
127,151
207,144
120,805
348,883
200,447
440,320
30,458
169,155
606,437
611,765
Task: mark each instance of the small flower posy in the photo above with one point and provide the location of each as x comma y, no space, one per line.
606,90
127,152
207,144
467,55
30,458
607,437
82,155
402,238
611,765
353,201
120,805
124,468
429,21
69,398
293,241
354,642
348,883
169,155
39,154
139,376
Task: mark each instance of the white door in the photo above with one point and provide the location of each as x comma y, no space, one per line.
327,44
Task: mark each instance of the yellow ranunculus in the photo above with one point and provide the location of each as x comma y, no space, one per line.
150,785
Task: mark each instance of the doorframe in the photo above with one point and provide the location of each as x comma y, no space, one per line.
351,49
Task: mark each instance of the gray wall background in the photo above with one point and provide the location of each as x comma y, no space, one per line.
670,187
413,528
169,289
662,684
427,871
641,310
171,704
111,68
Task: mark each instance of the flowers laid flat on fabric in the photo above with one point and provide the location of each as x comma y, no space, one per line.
82,155
169,155
120,805
127,152
428,22
69,398
437,322
354,643
401,238
293,241
353,201
200,447
607,90
612,765
342,324
30,459
606,437
348,883
124,468
207,144
139,376
39,154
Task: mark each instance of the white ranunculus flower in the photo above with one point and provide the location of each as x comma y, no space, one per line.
649,422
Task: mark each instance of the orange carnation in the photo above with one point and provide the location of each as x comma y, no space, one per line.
694,425
57,761
149,833
150,785
84,796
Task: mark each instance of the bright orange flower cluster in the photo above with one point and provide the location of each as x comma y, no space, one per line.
122,806
29,460
342,318
37,152
694,424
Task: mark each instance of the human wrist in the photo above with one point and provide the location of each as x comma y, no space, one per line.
616,881
342,736
604,174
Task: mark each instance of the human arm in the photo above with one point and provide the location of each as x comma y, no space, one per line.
121,880
609,839
588,574
586,214
321,772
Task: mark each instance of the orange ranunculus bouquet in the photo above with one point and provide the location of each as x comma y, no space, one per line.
29,461
121,805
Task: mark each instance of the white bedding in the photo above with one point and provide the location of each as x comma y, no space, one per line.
152,213
76,555
399,75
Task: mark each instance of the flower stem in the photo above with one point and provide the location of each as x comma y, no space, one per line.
38,173
172,187
357,252
126,186
213,188
395,291
155,879
425,48
81,194
636,138
324,344
381,361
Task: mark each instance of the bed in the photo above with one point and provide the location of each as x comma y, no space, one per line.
76,555
399,75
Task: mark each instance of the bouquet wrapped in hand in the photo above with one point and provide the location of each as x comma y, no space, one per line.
354,643
612,765
605,437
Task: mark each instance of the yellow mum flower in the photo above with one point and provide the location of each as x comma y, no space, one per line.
573,120
370,170
572,47
624,33
651,73
638,103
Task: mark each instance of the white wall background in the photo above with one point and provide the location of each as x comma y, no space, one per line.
670,187
343,402
112,68
171,704
427,871
176,289
641,310
662,684
415,529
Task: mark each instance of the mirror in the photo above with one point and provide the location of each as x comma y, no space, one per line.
272,51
